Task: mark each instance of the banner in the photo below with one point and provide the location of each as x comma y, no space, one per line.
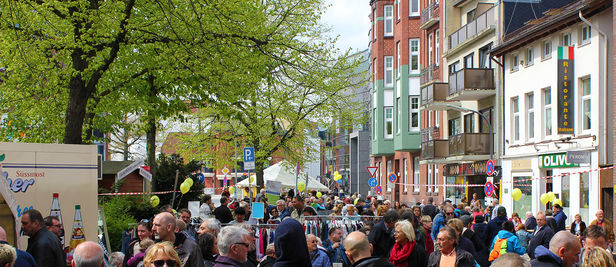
565,90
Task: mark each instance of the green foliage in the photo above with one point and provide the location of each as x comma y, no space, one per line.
123,211
167,166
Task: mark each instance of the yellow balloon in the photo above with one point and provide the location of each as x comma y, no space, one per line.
189,181
516,194
544,198
232,190
337,177
558,201
252,179
154,200
355,202
319,194
184,188
301,186
336,173
551,196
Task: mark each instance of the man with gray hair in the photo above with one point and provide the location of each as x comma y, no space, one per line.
233,246
511,260
164,229
210,225
88,254
564,251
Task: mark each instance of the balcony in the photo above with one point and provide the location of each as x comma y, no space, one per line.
429,16
434,149
430,133
430,73
479,26
469,144
471,84
434,96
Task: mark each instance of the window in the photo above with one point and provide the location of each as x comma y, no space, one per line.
413,113
515,119
430,178
374,24
374,125
437,58
483,126
435,180
429,49
416,174
389,71
469,121
399,117
585,35
405,175
389,122
566,39
530,116
565,193
586,108
547,112
468,61
454,67
374,69
413,8
398,65
524,183
470,16
389,20
436,118
584,195
530,56
413,55
514,63
398,10
546,50
484,57
454,126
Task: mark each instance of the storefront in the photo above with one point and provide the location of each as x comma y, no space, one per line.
467,174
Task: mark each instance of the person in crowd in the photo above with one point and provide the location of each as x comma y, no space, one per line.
426,223
420,233
505,242
239,215
523,235
397,206
417,211
475,202
88,254
209,225
481,229
8,255
115,259
530,222
209,248
270,257
387,204
381,236
440,220
186,216
207,208
463,242
233,246
260,195
281,207
406,251
359,206
560,217
515,218
352,213
139,256
23,258
606,224
43,245
144,231
54,225
309,211
274,217
162,254
598,257
478,243
251,257
367,228
359,251
578,226
222,212
511,260
448,254
318,257
549,220
564,250
541,237
495,206
164,229
335,248
298,208
430,209
167,208
495,225
594,236
290,245
487,216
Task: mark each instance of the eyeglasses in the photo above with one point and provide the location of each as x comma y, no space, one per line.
161,263
58,225
243,244
449,213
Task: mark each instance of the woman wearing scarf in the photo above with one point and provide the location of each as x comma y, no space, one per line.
406,251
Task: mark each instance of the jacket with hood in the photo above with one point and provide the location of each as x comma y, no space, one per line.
545,258
439,222
290,245
560,218
319,258
494,226
513,243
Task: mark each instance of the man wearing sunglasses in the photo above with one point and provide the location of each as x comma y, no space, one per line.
164,227
441,219
233,246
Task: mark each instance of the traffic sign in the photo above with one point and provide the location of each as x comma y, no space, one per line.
378,190
225,171
201,177
249,158
490,167
489,189
372,170
372,182
392,177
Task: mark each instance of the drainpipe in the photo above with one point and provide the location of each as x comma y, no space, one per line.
603,93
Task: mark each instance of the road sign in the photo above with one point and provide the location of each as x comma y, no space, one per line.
490,167
201,177
489,189
372,182
392,177
225,171
372,170
378,190
249,158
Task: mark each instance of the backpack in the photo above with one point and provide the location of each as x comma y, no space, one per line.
500,248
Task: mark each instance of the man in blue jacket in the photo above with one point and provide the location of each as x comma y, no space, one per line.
440,220
541,237
560,217
335,249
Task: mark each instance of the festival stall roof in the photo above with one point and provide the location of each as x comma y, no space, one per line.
283,172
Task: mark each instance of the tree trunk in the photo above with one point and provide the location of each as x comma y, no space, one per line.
151,132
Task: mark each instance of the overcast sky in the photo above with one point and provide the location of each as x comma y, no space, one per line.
349,19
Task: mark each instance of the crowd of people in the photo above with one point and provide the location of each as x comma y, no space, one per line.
422,234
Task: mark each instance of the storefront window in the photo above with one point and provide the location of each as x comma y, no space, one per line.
525,202
566,195
584,196
455,193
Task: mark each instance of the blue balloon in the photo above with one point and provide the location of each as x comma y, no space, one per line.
339,181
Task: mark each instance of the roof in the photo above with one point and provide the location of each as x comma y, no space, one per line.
113,167
553,21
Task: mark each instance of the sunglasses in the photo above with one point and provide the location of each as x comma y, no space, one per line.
450,213
161,263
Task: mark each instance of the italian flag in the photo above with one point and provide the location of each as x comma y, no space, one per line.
565,52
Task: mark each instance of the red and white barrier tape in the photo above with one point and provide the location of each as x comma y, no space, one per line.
559,175
136,193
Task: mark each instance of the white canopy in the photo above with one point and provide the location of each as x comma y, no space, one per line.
282,172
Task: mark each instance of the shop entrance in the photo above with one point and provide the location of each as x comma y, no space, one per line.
607,198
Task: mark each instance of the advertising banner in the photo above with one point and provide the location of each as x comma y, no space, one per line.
565,90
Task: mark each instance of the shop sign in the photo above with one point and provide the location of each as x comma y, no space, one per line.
578,157
465,169
557,160
565,90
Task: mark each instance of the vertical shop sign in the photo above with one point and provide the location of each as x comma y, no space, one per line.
565,90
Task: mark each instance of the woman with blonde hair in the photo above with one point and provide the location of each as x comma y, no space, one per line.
406,251
8,255
597,257
162,255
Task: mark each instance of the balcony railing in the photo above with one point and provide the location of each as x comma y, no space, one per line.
434,149
471,79
428,74
434,92
469,144
472,28
429,15
430,133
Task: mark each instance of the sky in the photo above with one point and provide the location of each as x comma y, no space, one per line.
349,19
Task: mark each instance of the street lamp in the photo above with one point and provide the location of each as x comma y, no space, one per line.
482,116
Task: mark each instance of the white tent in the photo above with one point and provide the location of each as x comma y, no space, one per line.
284,173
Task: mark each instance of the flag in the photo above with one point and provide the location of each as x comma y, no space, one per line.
565,52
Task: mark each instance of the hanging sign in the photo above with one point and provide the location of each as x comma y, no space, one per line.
565,90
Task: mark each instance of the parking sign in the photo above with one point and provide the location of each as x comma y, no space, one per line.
249,158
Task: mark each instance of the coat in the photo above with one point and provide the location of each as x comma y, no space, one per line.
540,238
545,258
382,240
524,236
582,227
45,248
530,223
480,247
513,243
439,222
223,214
560,218
494,226
224,261
607,225
188,251
372,262
290,245
337,254
418,256
319,258
463,259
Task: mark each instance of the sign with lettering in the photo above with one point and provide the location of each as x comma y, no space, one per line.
557,160
565,90
465,169
578,157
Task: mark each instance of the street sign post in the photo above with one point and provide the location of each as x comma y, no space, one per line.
249,158
372,170
490,166
378,190
489,189
392,177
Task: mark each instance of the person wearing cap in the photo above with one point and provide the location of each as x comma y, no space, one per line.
560,218
496,224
